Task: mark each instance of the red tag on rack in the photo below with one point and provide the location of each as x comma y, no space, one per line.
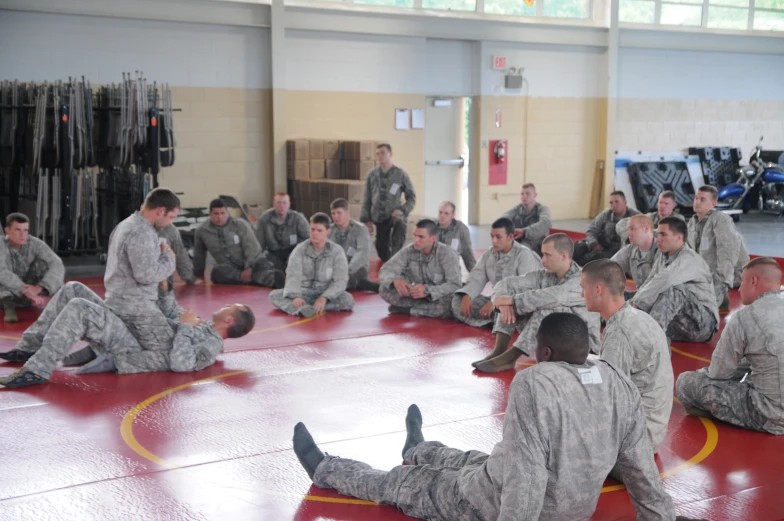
65,118
154,122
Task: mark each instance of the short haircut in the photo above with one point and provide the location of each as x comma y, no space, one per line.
280,194
217,203
677,226
769,266
711,190
561,242
566,334
641,220
619,193
529,185
320,218
384,145
608,273
244,320
16,217
667,194
338,203
162,198
429,225
450,204
505,223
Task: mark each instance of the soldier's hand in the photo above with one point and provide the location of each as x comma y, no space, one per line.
38,301
31,291
466,306
298,302
402,287
397,213
164,285
486,311
519,232
504,300
507,314
418,291
320,304
246,275
598,247
370,227
190,317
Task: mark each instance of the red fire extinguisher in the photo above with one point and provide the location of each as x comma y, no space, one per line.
500,151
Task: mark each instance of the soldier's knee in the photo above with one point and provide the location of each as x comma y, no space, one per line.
686,383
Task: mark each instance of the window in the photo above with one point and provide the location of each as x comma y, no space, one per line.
769,21
681,14
450,5
392,3
566,8
637,11
512,7
768,15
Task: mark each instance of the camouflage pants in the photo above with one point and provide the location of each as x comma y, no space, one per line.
681,318
390,237
719,288
80,319
33,337
355,278
344,301
146,322
423,307
527,325
583,255
728,400
280,258
262,274
533,245
476,320
34,274
427,489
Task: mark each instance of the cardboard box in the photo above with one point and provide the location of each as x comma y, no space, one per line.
351,170
324,192
334,169
364,168
298,150
367,151
294,190
313,191
351,150
317,169
316,149
355,210
332,149
298,170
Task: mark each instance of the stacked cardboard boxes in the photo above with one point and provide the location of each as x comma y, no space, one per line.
310,195
329,159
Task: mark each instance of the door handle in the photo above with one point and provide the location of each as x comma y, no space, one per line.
447,162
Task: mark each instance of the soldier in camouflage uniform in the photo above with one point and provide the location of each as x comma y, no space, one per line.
455,234
421,278
678,293
602,240
633,343
280,229
523,302
532,220
137,261
665,207
751,394
354,238
382,206
238,256
29,269
317,275
184,265
538,470
713,235
637,258
77,313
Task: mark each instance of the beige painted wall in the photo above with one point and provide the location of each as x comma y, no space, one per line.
223,145
565,138
647,124
360,116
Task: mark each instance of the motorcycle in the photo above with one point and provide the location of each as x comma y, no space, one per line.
762,180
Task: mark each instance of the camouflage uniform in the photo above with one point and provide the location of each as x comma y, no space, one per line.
135,266
755,333
536,224
457,237
636,262
313,274
34,263
383,191
601,231
279,238
550,464
439,272
235,249
719,243
492,268
355,241
679,295
184,266
635,345
620,228
538,294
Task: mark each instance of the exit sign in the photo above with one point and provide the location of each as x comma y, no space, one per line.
499,62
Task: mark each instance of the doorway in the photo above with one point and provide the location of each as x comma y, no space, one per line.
447,138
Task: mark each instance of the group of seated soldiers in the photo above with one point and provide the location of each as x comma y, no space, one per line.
528,281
